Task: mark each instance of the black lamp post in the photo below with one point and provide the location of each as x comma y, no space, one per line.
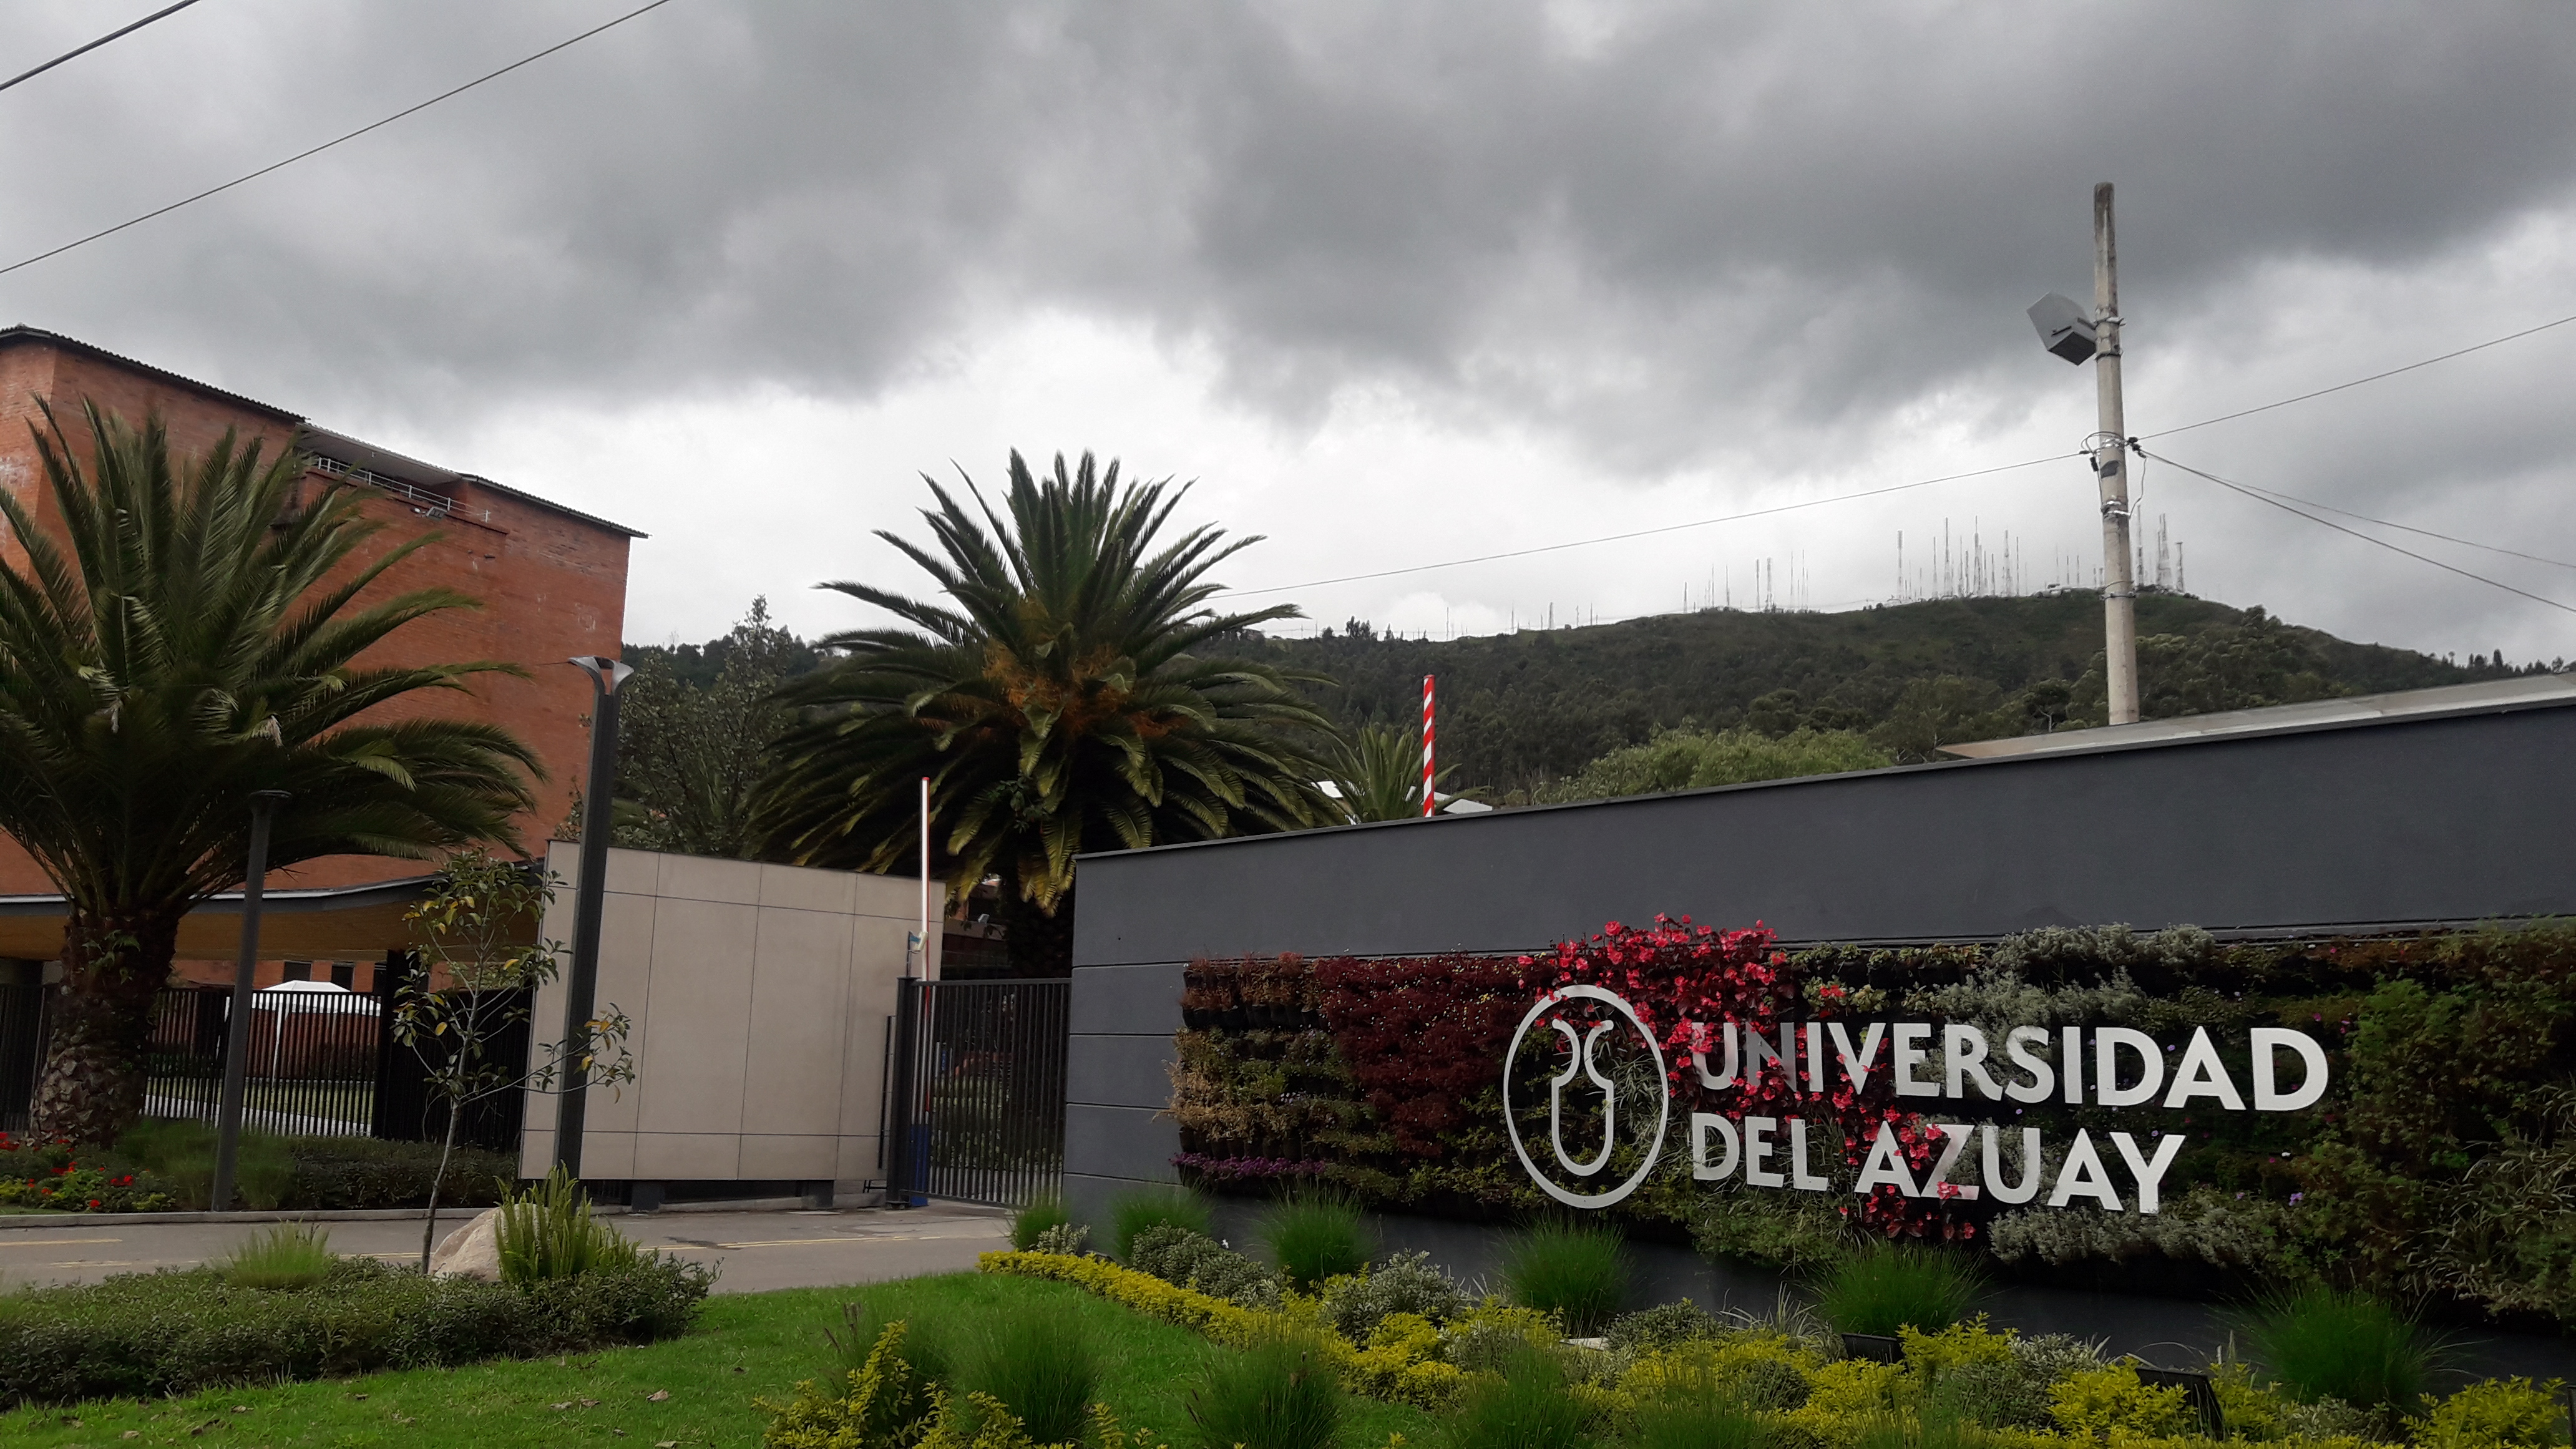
590,897
228,1119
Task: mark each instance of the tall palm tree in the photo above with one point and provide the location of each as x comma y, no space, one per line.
1379,773
1053,700
188,641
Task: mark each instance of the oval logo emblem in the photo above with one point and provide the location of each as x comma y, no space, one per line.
1588,1044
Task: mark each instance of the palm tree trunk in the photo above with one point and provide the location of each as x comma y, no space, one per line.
91,1088
1040,943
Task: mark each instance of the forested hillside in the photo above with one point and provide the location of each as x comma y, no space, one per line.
1520,710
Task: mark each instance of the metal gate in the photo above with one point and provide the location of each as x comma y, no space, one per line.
975,1110
312,1062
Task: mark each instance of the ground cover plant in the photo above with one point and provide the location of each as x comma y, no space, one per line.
176,1160
51,1176
2431,1174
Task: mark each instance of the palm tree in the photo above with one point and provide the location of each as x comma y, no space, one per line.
1053,701
1379,773
190,640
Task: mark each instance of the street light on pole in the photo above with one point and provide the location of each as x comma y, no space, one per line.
2068,331
228,1116
590,899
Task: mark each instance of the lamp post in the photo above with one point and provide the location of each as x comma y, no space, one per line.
590,897
228,1117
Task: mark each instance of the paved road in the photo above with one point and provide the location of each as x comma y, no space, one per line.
757,1250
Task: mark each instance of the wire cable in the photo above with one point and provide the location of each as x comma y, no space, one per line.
26,75
2261,497
334,141
2407,527
2358,381
1650,532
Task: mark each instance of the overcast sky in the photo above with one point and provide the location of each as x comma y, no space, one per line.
1396,284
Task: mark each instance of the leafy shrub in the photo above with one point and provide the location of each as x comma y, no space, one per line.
1037,1219
1490,1337
2014,1391
1274,1395
1070,1239
2494,1415
1887,1289
290,1255
549,1232
2109,1403
1528,1405
1038,1364
1314,1237
1792,1230
1661,1327
1405,1283
301,1174
2324,1343
1577,1271
150,1334
878,1400
1751,1370
51,1175
1196,1261
1156,1208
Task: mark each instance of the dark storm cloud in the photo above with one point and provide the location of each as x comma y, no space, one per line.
1648,228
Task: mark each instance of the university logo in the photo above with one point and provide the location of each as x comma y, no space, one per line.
1587,1035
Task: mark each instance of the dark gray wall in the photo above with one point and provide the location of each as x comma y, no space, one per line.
2454,819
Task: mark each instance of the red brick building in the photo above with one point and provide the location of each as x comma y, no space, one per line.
552,580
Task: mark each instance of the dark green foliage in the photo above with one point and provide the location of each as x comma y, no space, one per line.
1155,1207
1526,1406
1663,1326
306,1174
1194,1260
1404,1283
1577,1271
1521,711
1884,1289
694,726
1031,1222
290,1255
2325,1343
1274,1395
1038,1363
549,1233
1690,759
1696,1421
1315,1237
164,1333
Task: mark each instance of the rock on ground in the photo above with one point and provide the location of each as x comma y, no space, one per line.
472,1251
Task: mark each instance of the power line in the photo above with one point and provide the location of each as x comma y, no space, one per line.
2358,381
95,44
334,141
2261,497
1664,528
2407,527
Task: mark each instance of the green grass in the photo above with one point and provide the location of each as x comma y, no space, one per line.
1885,1288
290,1255
1316,1237
746,1345
2324,1343
1577,1271
1031,1222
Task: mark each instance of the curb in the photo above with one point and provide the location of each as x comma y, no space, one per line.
33,1221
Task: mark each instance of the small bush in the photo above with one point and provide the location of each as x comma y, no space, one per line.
1034,1221
290,1255
1069,1240
1316,1237
2109,1404
882,1400
1527,1406
2325,1343
1664,1326
1037,1363
1577,1271
145,1335
1158,1208
549,1232
2497,1414
1195,1260
1697,1421
1405,1283
308,1174
1274,1395
1887,1289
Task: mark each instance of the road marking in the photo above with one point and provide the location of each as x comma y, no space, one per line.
60,1242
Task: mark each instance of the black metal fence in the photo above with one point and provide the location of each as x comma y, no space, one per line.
22,1038
975,1107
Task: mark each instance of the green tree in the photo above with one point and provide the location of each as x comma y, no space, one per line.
1055,701
192,640
478,981
1379,773
690,756
1692,759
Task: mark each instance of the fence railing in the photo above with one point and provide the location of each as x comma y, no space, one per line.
22,1039
311,1069
976,1106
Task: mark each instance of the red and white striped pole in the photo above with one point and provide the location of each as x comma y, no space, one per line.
1428,800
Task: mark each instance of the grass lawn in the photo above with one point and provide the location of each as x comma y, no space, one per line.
747,1345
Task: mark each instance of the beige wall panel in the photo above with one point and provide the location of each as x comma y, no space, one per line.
767,1158
694,878
609,1156
796,888
688,1156
800,1017
691,1080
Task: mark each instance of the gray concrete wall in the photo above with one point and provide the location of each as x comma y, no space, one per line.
2443,819
758,996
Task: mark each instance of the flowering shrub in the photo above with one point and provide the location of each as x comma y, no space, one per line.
48,1175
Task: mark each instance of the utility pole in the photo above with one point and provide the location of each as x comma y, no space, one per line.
2111,472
